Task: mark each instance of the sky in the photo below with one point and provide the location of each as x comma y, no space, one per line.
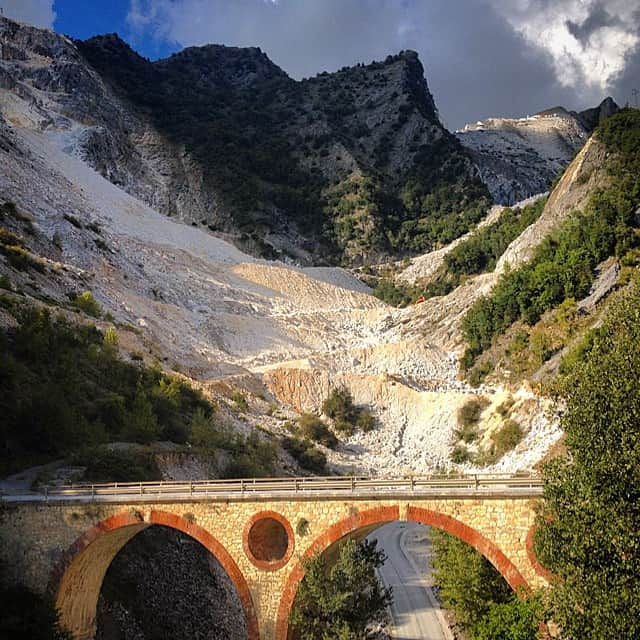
482,57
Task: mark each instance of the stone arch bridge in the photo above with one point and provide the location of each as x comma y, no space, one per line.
260,531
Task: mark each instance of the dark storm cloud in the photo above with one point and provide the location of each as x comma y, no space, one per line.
477,61
597,19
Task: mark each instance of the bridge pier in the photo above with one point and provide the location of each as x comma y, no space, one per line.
261,543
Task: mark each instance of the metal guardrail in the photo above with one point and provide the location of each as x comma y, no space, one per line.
312,486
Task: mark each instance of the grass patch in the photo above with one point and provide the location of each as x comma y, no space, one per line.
460,454
240,403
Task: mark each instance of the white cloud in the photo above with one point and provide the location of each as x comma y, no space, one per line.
589,41
39,13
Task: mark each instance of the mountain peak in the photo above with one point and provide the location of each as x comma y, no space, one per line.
591,118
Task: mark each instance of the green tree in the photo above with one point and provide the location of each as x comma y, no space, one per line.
468,583
589,531
142,425
342,602
513,620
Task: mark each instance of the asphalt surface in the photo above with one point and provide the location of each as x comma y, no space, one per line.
414,613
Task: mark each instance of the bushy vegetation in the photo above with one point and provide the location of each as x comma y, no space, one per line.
87,303
313,428
468,417
503,440
347,417
480,252
308,456
17,254
588,533
563,266
513,620
344,601
483,603
66,392
117,465
469,413
395,294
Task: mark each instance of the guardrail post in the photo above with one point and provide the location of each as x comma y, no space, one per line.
141,488
477,483
412,480
46,493
191,488
296,485
353,484
241,486
93,492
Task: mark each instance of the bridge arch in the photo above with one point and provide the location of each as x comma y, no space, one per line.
77,578
366,522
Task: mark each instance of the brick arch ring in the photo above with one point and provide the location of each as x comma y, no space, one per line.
531,554
382,515
109,536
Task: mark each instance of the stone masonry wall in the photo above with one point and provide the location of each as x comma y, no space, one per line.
61,545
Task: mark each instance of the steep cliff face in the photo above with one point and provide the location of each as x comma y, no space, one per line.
520,157
349,165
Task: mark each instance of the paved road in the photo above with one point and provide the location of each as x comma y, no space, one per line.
415,613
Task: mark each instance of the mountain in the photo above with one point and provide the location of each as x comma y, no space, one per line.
520,157
344,167
278,336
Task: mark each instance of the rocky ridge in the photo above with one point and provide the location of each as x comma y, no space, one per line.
520,157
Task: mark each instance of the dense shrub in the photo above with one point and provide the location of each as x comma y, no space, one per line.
311,427
514,620
65,387
468,583
588,532
117,465
87,303
507,437
395,294
481,251
460,454
308,456
346,416
469,413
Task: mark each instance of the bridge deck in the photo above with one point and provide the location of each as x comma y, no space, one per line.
287,489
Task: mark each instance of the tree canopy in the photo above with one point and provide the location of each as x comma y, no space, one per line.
589,532
345,601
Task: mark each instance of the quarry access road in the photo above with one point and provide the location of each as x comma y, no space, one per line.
415,613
